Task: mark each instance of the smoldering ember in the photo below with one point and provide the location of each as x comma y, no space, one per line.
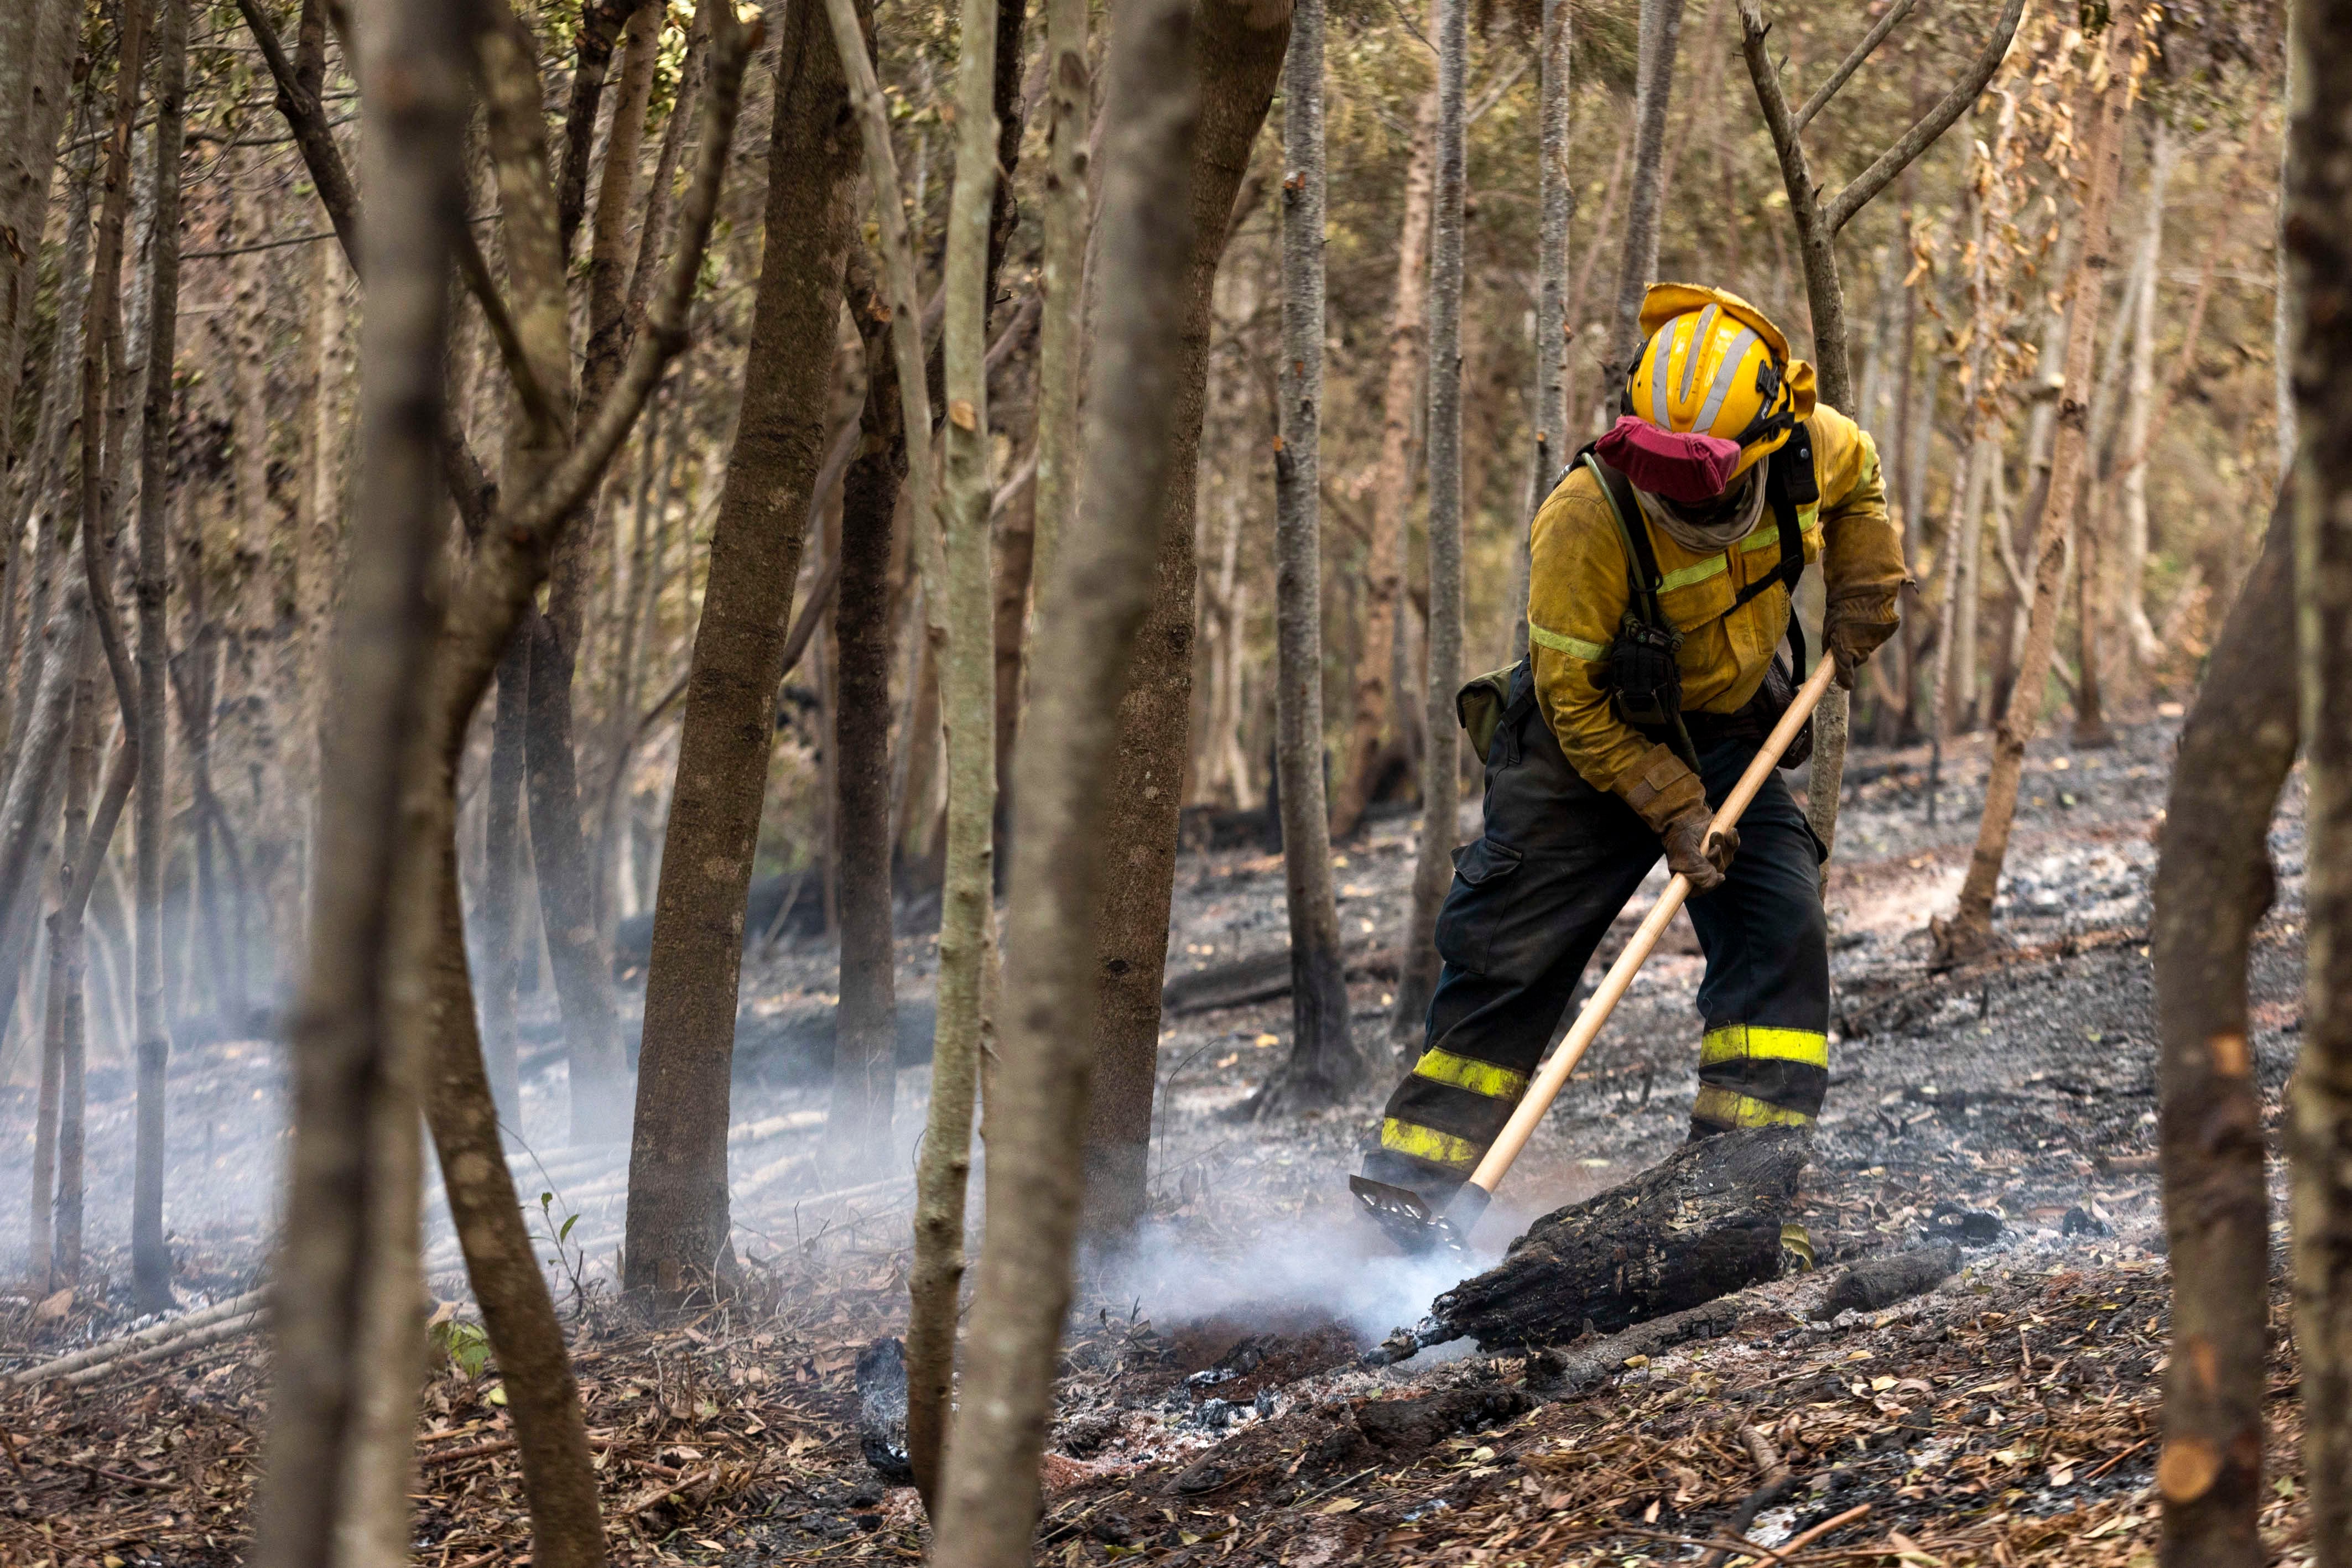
1271,783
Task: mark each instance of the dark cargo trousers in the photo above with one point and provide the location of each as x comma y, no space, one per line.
1531,900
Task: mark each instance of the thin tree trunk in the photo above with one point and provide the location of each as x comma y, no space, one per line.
501,1258
349,1336
2318,227
2213,882
41,1236
1969,930
558,852
434,1003
1556,203
1015,510
1637,265
1817,223
39,50
2140,644
1325,1065
1375,703
967,699
150,1259
1061,348
41,474
1441,769
66,1022
501,886
1240,49
865,1029
2090,591
609,264
678,1209
1095,609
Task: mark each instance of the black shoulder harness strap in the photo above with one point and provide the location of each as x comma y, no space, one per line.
1641,574
1789,484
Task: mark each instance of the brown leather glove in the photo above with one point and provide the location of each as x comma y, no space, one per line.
1670,798
1854,630
1691,854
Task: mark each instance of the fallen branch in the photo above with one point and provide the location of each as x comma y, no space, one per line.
1557,1374
163,1333
1775,1487
211,1333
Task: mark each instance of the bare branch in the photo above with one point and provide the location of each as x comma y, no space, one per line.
600,34
122,771
1921,136
897,251
1852,63
516,543
314,136
1755,33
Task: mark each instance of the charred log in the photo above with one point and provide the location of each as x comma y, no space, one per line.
1704,1223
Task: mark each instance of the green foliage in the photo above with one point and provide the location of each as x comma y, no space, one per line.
464,1343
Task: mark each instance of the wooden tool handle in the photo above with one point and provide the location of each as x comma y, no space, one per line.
1553,1075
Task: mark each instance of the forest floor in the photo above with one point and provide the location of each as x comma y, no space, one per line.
1213,1407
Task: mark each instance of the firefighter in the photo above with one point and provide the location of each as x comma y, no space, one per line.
1664,562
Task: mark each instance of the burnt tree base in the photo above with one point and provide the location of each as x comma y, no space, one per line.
1700,1226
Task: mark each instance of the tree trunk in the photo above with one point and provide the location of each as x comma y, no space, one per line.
1817,224
609,264
501,886
40,1271
32,789
865,1029
1375,704
678,1210
2090,593
40,475
35,90
2318,226
1637,265
2213,882
501,1258
1969,930
1061,346
150,1261
1015,510
1145,395
1441,769
2141,648
1239,51
968,701
66,1021
1556,203
1325,1065
346,1322
559,852
102,346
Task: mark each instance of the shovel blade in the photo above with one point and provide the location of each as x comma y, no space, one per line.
1401,1213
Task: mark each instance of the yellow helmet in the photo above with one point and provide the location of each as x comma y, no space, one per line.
1713,364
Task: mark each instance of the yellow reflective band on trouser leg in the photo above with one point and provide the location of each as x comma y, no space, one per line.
1763,1065
1723,1107
1469,1072
1428,1144
1761,1042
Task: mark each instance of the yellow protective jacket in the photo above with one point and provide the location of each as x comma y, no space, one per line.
1577,594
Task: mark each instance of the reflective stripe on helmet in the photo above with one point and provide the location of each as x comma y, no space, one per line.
1727,372
1699,339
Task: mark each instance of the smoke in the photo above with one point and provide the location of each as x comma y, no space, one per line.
1299,1270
